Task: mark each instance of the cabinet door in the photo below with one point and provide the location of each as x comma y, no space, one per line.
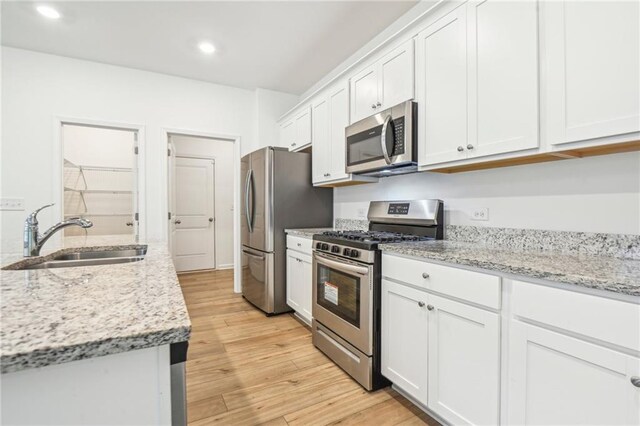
364,93
396,76
321,158
302,125
306,282
287,134
404,338
294,286
556,379
503,76
464,362
338,121
592,51
442,89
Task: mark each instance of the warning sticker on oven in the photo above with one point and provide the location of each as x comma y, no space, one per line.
330,292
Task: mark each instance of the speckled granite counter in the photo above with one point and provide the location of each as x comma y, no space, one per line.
306,232
52,316
596,272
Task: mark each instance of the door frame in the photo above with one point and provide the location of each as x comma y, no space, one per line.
215,222
58,171
166,133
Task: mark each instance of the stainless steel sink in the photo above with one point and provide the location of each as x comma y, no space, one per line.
104,254
89,258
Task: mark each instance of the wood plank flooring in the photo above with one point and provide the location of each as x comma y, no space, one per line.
245,368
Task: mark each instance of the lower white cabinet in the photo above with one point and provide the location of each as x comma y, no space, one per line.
299,283
464,362
404,338
557,379
443,353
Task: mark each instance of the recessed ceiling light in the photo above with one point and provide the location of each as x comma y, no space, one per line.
207,47
48,12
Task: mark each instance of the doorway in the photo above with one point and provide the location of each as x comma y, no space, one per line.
201,182
100,179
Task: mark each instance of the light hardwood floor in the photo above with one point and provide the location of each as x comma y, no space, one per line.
245,368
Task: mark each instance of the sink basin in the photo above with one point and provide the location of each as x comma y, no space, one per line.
104,254
88,258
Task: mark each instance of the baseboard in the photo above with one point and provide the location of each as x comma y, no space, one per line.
226,266
420,406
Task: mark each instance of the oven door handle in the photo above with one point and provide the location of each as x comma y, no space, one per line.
383,138
360,270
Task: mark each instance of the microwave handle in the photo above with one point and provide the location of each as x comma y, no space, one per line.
383,139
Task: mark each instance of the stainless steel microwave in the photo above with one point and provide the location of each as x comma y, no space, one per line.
384,144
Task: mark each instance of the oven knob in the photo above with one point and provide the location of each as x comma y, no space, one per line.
319,246
355,253
325,247
335,249
346,252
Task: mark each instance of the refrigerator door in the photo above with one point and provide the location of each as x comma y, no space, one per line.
257,200
257,278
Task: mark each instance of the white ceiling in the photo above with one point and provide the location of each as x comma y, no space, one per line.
278,45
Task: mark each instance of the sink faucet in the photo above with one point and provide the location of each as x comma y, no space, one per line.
32,239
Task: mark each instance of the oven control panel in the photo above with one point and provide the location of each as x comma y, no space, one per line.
344,251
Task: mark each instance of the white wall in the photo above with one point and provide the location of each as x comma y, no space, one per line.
222,151
596,194
270,106
36,88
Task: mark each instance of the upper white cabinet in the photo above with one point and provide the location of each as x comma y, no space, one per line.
592,52
555,379
330,113
383,84
295,132
477,81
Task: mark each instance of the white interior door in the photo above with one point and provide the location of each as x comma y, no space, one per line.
194,222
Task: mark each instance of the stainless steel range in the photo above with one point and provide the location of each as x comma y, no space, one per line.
346,283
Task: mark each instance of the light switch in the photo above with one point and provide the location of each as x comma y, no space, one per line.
12,204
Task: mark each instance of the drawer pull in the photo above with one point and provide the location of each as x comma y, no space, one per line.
430,307
425,275
635,381
421,304
299,245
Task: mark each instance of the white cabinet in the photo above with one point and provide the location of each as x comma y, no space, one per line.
464,362
299,276
383,84
330,113
592,52
556,379
404,338
295,132
477,81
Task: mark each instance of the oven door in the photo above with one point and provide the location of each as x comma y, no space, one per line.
343,299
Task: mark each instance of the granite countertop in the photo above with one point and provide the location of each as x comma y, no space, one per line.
306,232
52,316
596,272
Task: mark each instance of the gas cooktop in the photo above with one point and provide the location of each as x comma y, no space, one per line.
367,240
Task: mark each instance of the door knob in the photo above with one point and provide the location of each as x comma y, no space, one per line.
460,148
211,219
177,222
469,146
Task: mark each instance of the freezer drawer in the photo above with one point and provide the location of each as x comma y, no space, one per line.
258,278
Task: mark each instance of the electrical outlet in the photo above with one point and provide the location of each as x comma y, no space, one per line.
480,214
12,204
362,212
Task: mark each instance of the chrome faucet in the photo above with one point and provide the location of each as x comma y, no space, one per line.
32,239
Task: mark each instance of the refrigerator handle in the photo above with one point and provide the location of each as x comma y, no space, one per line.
247,185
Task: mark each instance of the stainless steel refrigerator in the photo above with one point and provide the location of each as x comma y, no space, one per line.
276,194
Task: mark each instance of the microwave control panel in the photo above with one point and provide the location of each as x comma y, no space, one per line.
398,133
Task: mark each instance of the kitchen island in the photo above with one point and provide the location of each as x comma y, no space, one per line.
72,338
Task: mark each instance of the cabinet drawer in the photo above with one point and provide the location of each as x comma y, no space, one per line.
608,320
476,287
299,244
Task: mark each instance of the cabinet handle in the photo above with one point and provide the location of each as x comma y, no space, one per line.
469,146
378,104
430,307
177,222
421,304
635,381
211,220
460,148
373,106
129,223
425,275
293,144
299,245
